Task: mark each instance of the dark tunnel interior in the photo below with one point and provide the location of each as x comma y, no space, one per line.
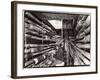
53,39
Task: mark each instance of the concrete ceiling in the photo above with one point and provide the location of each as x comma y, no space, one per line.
55,16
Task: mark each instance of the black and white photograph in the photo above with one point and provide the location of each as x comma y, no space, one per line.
53,39
56,39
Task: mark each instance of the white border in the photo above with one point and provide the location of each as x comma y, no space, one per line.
58,70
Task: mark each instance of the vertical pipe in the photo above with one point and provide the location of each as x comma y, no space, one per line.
66,49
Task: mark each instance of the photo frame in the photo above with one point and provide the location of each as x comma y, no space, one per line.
49,39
